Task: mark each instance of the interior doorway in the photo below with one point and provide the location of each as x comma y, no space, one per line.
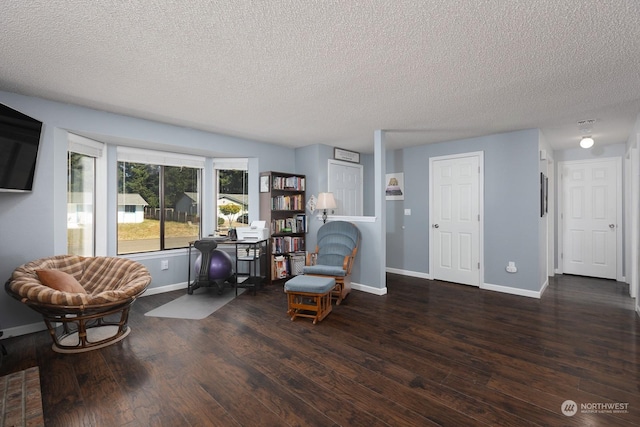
455,212
591,218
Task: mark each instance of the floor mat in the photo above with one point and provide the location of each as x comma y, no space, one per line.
20,399
202,303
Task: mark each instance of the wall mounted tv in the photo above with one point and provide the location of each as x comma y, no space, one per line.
19,141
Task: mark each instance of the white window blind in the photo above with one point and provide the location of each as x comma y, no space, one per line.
85,146
231,164
162,158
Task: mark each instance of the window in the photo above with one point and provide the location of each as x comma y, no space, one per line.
81,195
158,200
232,208
80,204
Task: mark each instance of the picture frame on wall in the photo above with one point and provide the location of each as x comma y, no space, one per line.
264,184
395,186
544,194
346,155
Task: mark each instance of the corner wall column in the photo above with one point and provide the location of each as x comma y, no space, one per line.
379,162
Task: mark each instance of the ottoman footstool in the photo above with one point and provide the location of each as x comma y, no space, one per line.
309,296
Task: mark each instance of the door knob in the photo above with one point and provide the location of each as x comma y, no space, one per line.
612,226
436,226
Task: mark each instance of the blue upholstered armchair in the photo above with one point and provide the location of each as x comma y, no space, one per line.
334,255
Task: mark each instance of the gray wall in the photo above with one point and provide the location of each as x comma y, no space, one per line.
545,268
596,152
511,207
34,224
368,187
312,161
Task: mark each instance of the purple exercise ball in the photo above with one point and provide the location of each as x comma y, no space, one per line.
220,267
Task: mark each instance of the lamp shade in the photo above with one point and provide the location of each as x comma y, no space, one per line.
586,142
326,201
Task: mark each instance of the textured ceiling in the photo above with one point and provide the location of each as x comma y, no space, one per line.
302,72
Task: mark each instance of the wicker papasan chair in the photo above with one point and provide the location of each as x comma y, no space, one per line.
86,300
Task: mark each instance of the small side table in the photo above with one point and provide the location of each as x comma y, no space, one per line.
254,253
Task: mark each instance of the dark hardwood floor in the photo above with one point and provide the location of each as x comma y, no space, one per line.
427,353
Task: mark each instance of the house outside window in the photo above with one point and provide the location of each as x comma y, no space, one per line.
158,200
131,208
232,206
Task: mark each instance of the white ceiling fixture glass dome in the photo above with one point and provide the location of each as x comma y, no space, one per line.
586,142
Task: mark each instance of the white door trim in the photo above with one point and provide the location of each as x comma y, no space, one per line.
551,218
480,156
632,214
619,223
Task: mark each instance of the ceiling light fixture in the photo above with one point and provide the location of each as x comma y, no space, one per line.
586,142
586,127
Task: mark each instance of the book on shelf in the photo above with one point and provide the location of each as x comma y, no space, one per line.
248,252
294,202
285,244
294,224
295,183
280,266
301,223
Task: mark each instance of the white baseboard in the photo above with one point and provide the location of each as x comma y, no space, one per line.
486,286
512,291
183,286
545,285
382,291
163,289
24,330
409,273
40,326
369,289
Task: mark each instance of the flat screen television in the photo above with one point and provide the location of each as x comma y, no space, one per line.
19,142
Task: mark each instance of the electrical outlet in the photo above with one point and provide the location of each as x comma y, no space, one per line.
511,268
164,264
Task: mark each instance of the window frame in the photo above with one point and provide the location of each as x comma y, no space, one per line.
221,164
91,148
161,159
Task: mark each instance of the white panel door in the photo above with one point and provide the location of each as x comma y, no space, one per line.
345,182
455,225
589,214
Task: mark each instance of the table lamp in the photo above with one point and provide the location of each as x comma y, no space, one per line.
325,201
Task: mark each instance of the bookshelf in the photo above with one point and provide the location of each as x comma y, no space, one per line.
282,206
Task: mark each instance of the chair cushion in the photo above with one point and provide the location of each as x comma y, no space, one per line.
324,270
106,280
310,284
60,280
337,241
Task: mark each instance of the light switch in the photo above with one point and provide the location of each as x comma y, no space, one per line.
407,211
